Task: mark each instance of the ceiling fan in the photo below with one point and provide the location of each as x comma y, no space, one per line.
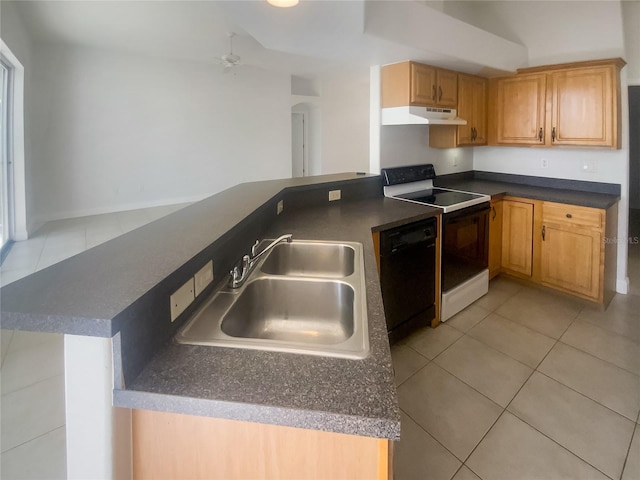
230,60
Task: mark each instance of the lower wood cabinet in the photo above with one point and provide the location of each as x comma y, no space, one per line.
169,445
566,247
517,237
577,253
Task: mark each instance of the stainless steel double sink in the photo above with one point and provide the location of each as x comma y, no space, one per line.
303,297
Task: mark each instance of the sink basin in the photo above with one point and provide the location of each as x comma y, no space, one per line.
295,311
307,297
316,259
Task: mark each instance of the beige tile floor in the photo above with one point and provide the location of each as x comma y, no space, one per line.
32,416
523,384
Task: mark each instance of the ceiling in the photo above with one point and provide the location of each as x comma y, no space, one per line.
316,37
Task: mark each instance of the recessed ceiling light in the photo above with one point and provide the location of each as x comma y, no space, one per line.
283,3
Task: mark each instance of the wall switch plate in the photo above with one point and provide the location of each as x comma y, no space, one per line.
544,163
280,207
335,195
203,277
181,299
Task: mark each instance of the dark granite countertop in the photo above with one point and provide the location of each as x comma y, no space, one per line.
122,287
534,192
347,396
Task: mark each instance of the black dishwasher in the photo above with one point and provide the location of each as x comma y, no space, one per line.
407,276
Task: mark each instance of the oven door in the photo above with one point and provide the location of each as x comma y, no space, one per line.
465,244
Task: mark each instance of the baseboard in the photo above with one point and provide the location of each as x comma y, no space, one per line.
622,285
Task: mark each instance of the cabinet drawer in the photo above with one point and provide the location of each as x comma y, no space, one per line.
572,214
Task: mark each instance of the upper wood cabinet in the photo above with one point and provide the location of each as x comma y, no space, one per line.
411,83
472,106
576,104
519,106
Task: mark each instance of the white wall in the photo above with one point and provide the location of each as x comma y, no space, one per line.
631,23
409,145
114,131
345,122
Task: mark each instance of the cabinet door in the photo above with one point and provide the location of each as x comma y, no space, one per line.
466,96
582,107
570,259
480,111
495,238
472,106
447,90
517,236
520,106
423,85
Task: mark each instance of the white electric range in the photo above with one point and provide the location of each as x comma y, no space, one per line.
464,237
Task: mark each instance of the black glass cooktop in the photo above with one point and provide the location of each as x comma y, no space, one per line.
439,197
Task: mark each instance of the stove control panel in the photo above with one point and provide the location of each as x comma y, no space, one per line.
412,173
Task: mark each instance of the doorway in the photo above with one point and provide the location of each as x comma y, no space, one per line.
298,145
633,262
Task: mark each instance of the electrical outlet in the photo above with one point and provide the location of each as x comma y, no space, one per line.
544,163
203,277
181,299
335,195
589,165
280,207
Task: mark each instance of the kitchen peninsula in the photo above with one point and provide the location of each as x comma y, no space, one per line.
112,304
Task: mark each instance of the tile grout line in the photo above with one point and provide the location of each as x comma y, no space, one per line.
35,438
626,458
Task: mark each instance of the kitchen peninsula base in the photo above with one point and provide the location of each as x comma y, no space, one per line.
169,445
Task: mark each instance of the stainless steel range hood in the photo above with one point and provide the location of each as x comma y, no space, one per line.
420,116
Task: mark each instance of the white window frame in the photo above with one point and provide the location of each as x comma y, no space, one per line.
18,228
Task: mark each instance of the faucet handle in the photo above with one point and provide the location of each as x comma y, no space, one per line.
254,249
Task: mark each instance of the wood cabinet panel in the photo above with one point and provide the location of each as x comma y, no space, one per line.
517,237
520,109
495,238
571,259
472,106
447,88
582,107
423,84
572,215
168,445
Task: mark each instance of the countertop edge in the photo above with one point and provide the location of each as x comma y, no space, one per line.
288,417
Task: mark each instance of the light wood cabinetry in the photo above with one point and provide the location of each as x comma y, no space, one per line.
573,252
472,106
495,238
517,237
168,445
575,104
520,109
411,83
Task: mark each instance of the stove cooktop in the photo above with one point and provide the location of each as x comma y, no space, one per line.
440,197
415,184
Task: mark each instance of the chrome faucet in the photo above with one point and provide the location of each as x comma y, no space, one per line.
240,273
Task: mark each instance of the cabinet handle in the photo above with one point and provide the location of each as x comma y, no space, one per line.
434,93
569,215
493,209
474,134
553,134
543,232
439,93
540,134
